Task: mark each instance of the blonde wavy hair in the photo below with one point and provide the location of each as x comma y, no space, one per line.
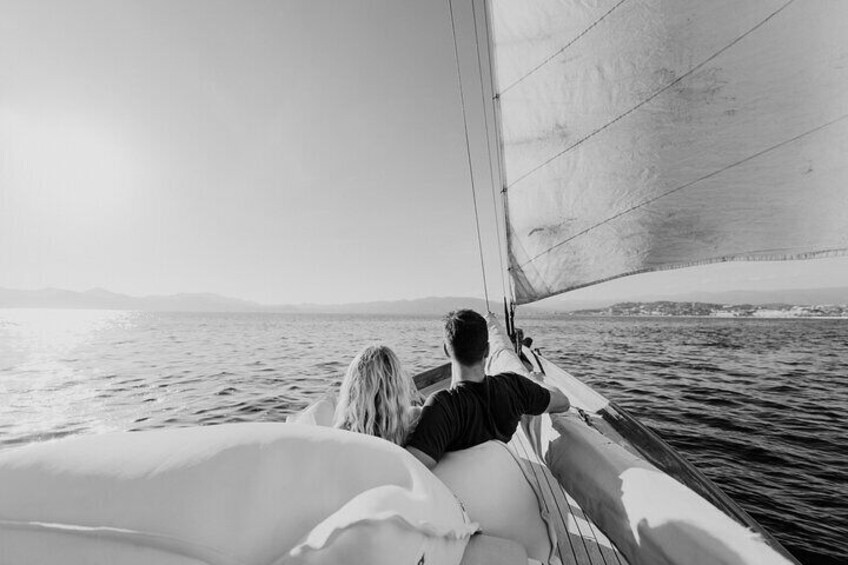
376,396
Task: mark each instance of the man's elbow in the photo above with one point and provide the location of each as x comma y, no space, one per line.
559,402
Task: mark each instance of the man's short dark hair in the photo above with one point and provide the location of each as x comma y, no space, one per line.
466,336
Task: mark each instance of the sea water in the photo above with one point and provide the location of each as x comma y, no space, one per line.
760,406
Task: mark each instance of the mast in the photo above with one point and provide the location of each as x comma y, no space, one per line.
478,18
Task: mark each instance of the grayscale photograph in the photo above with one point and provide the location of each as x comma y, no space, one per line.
423,282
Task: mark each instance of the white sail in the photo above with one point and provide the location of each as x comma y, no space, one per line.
641,135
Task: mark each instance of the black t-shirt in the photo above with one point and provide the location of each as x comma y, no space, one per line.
472,413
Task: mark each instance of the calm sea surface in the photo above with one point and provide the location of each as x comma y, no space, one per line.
760,406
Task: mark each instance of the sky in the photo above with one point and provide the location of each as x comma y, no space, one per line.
279,151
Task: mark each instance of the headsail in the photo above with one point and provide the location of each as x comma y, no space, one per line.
641,135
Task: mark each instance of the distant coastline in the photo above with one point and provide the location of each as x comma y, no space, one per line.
709,310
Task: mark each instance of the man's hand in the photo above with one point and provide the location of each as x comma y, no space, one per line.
537,376
559,402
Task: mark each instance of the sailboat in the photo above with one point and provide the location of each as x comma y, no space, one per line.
627,136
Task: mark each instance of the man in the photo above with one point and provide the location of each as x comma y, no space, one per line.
476,408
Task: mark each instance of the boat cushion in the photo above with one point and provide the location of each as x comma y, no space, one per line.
492,488
237,493
319,413
490,550
384,525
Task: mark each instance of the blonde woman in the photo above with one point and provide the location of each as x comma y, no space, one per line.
376,396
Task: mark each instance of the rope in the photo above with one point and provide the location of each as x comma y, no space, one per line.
468,154
489,151
652,96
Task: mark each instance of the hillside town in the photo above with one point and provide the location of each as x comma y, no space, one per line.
705,309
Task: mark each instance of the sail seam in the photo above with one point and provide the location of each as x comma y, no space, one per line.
468,153
685,186
650,98
561,51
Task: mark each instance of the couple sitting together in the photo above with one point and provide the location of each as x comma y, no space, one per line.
378,398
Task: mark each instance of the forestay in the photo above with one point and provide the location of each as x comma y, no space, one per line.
641,135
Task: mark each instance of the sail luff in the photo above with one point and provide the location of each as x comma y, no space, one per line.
482,50
643,136
499,145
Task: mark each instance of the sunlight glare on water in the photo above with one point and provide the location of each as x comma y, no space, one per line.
37,357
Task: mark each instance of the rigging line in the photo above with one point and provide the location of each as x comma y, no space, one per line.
558,53
468,154
689,184
489,150
651,97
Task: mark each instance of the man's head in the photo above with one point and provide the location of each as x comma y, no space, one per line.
466,337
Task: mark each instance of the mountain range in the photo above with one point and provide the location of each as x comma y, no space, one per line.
99,298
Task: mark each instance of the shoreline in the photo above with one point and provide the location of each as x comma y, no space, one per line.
709,317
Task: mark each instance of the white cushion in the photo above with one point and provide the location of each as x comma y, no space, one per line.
492,488
319,413
240,493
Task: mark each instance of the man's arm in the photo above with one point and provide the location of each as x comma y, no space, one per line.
433,432
559,401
